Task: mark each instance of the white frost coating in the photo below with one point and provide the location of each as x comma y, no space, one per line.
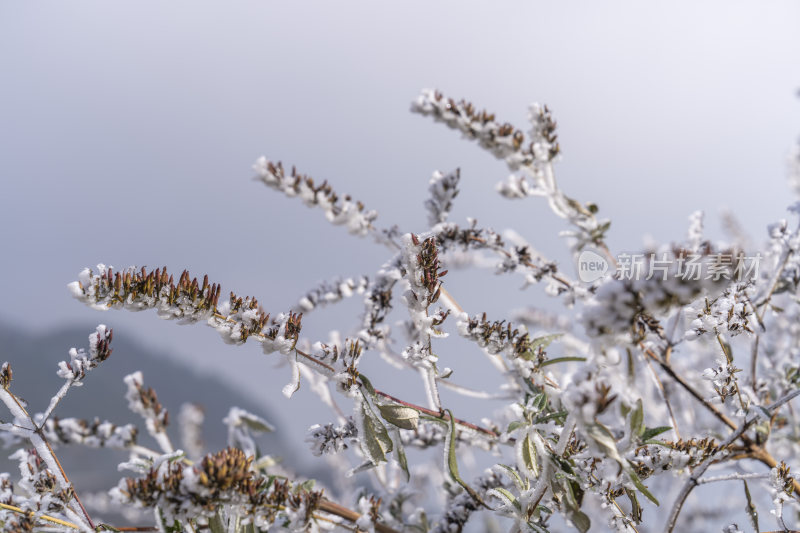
364,522
80,363
339,210
187,305
515,187
329,440
293,386
155,422
330,292
241,427
94,435
21,418
417,296
443,189
533,156
360,419
695,233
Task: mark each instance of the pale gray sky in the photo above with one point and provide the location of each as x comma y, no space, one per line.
129,129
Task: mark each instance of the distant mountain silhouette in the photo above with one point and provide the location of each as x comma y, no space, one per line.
34,360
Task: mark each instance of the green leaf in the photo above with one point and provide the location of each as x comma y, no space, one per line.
605,441
751,510
400,453
540,402
544,341
570,493
514,475
638,483
649,433
504,494
539,342
367,384
545,418
424,522
376,442
579,519
527,450
400,415
215,524
451,462
636,509
637,419
256,423
514,425
562,360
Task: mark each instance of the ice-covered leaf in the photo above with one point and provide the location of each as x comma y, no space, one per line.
527,455
400,453
451,461
649,433
400,415
375,440
637,419
515,477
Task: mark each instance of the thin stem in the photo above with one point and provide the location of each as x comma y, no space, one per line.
449,301
37,438
731,477
729,359
336,509
754,451
40,517
107,527
439,415
691,390
666,400
55,400
38,434
754,362
419,408
694,478
623,514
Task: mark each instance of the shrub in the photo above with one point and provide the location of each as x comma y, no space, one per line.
663,366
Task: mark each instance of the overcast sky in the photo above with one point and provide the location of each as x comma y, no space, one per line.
129,131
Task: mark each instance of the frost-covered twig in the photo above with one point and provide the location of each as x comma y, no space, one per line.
535,157
50,488
338,210
701,468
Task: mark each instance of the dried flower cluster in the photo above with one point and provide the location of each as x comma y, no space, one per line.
227,479
338,210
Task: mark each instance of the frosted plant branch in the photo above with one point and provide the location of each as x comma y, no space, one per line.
534,156
144,402
338,210
51,490
731,477
443,189
700,469
75,370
